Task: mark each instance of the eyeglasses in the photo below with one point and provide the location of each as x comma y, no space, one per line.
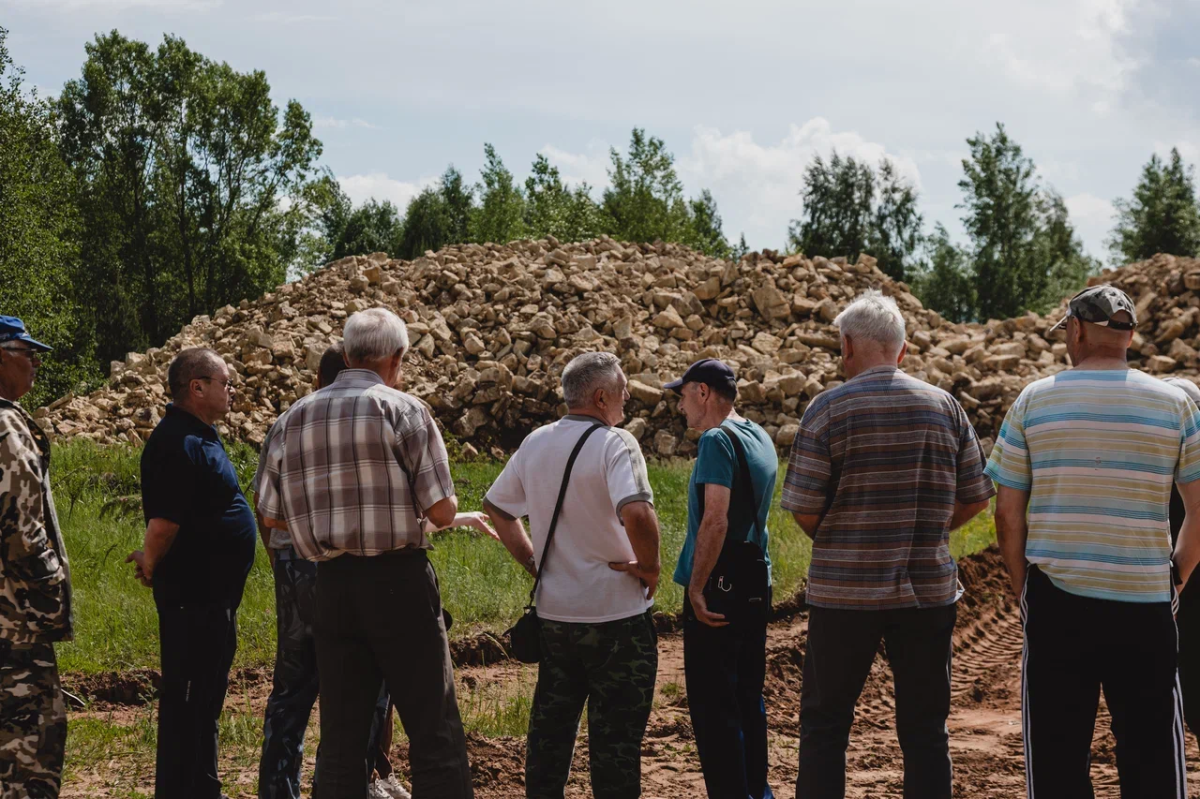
225,384
29,352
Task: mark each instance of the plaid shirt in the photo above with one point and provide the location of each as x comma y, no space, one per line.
353,468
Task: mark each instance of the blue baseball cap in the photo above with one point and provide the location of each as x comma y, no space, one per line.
13,329
709,371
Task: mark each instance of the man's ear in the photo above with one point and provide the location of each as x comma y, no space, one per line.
847,347
903,352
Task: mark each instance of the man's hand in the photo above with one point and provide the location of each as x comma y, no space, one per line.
478,521
649,577
700,609
141,570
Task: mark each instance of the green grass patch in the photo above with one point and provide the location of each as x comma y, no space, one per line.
117,628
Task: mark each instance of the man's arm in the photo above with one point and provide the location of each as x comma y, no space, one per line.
1187,548
809,522
471,519
160,535
264,531
641,525
441,513
965,512
710,538
512,534
1011,532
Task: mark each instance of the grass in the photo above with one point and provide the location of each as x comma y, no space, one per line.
117,627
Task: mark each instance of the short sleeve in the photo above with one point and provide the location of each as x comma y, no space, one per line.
262,456
424,455
169,482
268,499
1188,468
508,491
625,471
715,459
1010,464
972,484
810,467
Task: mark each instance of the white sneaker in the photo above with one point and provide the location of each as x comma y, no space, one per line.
375,791
392,788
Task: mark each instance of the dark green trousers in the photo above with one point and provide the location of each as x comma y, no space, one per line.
611,668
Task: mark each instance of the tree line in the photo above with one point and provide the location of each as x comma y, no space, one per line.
160,184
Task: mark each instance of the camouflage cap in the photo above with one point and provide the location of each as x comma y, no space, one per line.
1098,305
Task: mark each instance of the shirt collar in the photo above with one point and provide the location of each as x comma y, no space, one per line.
875,370
191,420
358,375
579,417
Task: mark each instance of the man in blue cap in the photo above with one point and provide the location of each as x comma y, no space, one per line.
35,585
725,569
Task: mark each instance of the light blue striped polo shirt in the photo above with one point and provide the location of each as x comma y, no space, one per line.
1098,451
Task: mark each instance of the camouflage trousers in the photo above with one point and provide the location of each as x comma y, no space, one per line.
33,722
610,667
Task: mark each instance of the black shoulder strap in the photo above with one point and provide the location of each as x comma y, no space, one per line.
562,493
747,481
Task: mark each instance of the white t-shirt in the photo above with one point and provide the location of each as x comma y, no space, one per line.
610,472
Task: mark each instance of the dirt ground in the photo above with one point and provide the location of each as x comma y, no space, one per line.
985,724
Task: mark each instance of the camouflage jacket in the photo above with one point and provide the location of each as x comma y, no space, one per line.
35,581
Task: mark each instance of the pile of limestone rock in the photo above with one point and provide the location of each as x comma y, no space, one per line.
492,327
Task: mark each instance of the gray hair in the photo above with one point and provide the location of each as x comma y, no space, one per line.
873,317
586,373
1186,385
373,334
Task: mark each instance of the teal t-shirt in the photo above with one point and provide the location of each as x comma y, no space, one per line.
716,462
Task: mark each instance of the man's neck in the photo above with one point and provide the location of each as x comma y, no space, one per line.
591,413
1103,361
188,409
866,367
717,418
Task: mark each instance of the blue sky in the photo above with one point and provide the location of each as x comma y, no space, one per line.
745,93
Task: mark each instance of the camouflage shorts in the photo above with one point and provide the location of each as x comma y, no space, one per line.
33,722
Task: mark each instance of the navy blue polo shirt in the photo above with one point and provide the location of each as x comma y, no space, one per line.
187,478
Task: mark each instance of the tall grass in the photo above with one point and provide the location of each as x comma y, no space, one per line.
117,627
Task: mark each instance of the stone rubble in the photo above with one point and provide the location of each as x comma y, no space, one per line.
492,326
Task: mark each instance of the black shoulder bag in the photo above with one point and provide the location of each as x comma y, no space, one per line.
524,638
739,585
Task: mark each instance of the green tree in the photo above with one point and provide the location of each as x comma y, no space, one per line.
426,224
373,226
645,201
1060,251
1161,216
838,199
946,282
39,236
1003,205
459,199
499,218
850,208
739,250
325,212
554,209
182,165
895,236
706,234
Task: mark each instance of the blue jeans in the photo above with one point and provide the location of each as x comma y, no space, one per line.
724,668
295,683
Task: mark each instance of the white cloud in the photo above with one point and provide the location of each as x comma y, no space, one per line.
122,5
1071,47
589,167
1092,217
287,19
331,122
757,185
378,185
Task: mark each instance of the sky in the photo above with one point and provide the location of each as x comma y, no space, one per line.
745,93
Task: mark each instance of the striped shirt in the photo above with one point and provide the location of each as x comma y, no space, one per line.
883,459
353,468
1098,450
